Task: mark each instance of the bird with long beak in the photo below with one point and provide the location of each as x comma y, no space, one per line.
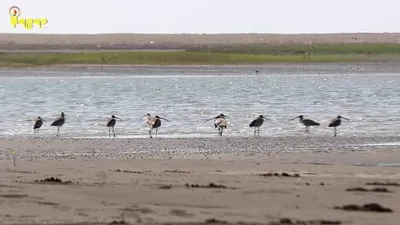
59,122
111,123
306,122
153,122
219,122
38,124
257,123
336,122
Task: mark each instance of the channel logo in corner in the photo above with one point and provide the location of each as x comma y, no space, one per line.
28,23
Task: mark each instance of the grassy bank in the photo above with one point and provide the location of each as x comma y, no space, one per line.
312,49
216,56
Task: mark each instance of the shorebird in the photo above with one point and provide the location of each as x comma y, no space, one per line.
306,122
38,124
111,123
336,122
153,122
257,123
219,122
59,122
148,119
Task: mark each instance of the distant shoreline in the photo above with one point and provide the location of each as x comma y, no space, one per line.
360,68
120,42
32,50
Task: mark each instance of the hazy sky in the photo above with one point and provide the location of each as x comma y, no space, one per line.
206,16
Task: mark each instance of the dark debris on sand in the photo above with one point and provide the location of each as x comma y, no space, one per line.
165,186
127,171
368,190
383,184
279,175
285,221
53,180
370,207
177,171
114,222
211,185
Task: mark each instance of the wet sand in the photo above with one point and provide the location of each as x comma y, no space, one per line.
159,181
373,68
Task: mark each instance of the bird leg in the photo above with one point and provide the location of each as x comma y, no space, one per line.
156,131
113,131
258,131
335,132
150,133
307,130
34,131
220,129
109,132
255,131
58,131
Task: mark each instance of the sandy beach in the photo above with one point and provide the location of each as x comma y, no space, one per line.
198,180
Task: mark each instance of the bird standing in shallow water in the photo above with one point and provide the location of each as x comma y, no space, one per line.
219,122
153,122
257,123
148,119
111,123
59,122
306,122
336,122
38,124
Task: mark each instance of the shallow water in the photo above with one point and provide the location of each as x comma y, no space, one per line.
371,102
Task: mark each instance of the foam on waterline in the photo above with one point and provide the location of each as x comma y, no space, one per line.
383,144
169,136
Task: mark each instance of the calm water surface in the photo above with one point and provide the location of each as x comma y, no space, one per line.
372,102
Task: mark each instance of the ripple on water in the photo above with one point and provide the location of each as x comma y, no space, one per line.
371,102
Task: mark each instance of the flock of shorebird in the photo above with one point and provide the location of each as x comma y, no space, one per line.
220,123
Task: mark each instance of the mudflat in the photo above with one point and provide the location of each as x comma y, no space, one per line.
201,181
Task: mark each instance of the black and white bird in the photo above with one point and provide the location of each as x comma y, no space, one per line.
59,122
38,124
257,123
336,122
306,122
111,123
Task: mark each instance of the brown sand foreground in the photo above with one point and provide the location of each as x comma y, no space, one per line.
85,42
231,187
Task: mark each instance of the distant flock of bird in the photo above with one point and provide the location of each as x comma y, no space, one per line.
220,123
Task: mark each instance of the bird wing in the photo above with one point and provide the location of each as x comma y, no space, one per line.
55,121
220,122
38,123
334,122
313,123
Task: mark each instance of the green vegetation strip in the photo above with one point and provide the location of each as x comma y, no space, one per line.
216,56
